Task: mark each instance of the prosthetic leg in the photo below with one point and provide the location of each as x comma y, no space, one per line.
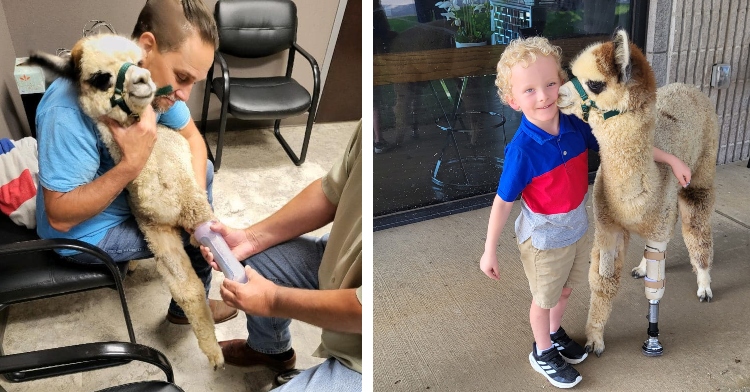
655,257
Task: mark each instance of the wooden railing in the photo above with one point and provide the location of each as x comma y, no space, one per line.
437,64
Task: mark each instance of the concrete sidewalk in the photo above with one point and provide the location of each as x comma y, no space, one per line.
441,325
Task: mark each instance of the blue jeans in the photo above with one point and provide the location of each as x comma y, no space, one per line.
329,376
125,242
294,263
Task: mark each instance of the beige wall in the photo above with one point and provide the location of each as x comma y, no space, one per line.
51,24
12,120
685,40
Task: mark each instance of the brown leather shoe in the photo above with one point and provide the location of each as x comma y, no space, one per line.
238,353
221,312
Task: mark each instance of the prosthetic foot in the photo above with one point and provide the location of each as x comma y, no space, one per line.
655,257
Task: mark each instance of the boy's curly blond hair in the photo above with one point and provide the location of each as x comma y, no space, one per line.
524,51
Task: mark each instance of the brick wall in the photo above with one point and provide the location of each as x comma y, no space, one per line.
686,38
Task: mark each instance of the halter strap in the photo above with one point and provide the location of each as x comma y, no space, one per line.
163,90
117,98
587,106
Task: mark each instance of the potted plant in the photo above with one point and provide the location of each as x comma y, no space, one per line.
472,18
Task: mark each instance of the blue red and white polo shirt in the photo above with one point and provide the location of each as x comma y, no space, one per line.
551,175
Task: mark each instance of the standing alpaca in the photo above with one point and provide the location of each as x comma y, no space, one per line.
165,196
632,193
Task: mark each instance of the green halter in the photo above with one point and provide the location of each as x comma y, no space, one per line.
589,103
117,98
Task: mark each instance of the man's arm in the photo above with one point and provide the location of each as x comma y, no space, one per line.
66,210
198,150
308,211
334,310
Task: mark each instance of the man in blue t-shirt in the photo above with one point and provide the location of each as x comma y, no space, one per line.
83,191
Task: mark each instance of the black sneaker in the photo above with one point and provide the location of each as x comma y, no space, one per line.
571,351
381,146
560,373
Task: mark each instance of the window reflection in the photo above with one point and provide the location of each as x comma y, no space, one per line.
439,129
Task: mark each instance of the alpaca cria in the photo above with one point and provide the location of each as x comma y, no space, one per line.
165,196
614,89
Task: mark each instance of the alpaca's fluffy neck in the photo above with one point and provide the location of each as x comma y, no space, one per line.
627,164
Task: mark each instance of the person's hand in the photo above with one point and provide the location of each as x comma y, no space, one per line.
255,297
681,171
136,141
241,246
489,265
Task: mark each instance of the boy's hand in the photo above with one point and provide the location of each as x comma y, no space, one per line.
681,171
489,265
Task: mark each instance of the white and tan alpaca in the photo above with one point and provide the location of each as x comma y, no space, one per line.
165,196
632,193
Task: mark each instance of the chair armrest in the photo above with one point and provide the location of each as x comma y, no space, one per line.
74,358
63,243
224,74
315,70
308,56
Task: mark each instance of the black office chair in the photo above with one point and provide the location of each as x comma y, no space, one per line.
255,29
109,352
31,270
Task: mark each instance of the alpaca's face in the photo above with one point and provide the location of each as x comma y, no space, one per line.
94,65
98,60
615,76
599,76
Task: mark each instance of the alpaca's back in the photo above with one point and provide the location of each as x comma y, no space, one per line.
686,126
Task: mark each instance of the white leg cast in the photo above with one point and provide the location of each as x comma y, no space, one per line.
654,258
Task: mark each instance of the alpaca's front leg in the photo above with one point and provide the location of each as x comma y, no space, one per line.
604,280
187,290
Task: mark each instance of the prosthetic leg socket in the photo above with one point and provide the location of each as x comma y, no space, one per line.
655,256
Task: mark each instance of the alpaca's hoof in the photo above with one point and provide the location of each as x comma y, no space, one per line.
705,295
637,273
595,346
217,363
216,358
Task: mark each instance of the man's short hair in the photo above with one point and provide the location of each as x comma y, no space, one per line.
172,21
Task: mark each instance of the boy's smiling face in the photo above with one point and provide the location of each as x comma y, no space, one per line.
534,91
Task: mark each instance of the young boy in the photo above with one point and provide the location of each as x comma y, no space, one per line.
547,164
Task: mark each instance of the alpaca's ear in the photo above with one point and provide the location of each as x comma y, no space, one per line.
63,66
622,55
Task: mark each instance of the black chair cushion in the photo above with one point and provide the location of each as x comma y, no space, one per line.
270,25
264,98
34,275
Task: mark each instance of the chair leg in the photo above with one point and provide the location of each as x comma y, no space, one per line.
306,141
3,324
204,118
220,141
